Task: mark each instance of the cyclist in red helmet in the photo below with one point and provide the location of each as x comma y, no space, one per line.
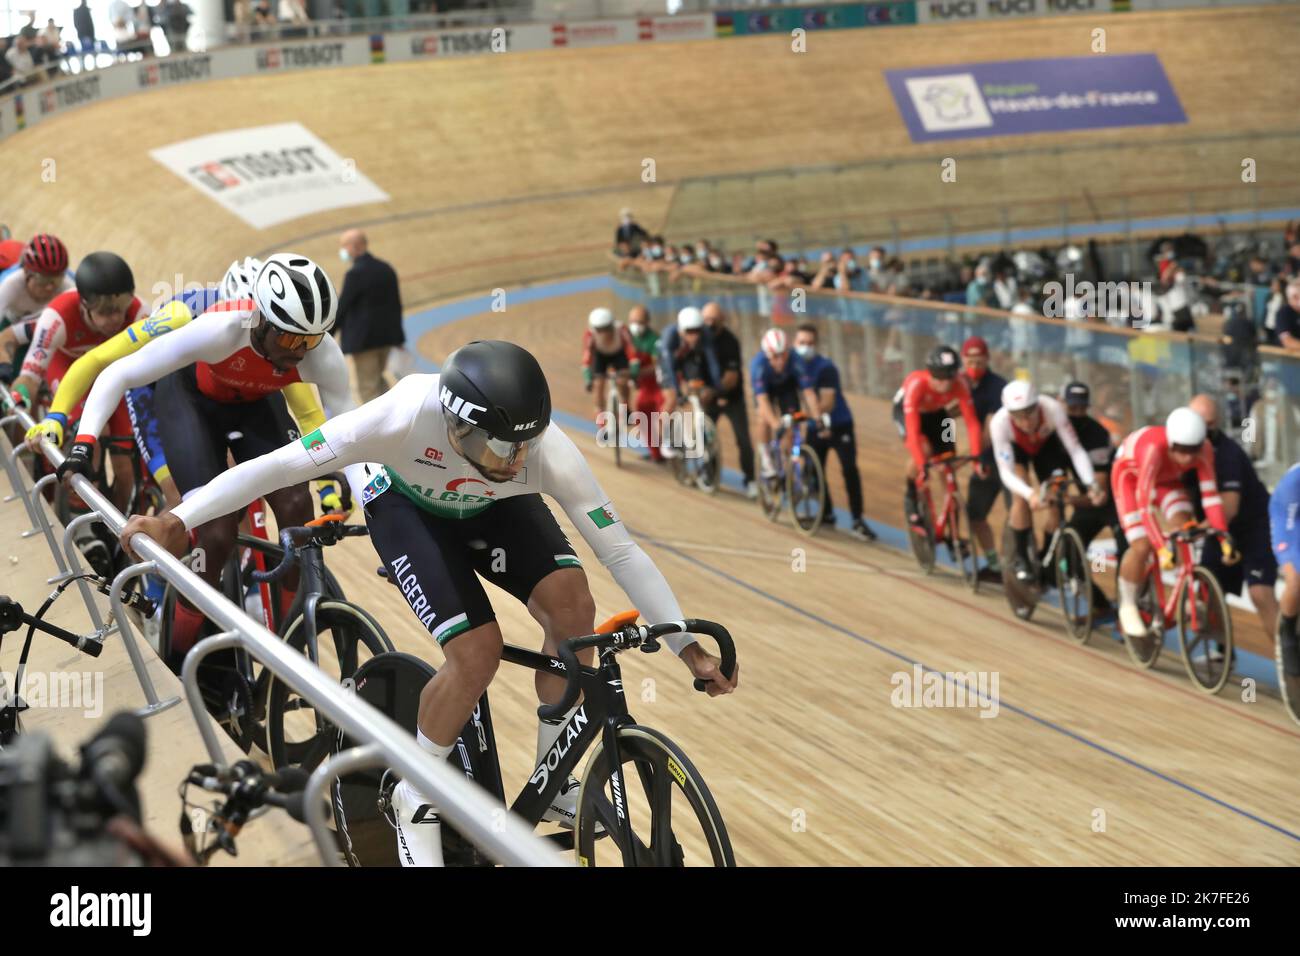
40,274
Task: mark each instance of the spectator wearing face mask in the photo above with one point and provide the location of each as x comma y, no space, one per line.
982,492
819,374
980,290
730,402
875,277
630,231
849,276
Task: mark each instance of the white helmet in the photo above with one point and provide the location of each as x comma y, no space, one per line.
689,319
1184,427
1019,395
775,343
600,319
295,294
238,280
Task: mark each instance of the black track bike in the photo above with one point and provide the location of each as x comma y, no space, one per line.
638,788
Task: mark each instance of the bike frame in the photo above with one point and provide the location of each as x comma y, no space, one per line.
603,711
949,513
1169,605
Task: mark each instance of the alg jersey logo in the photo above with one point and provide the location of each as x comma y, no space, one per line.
948,102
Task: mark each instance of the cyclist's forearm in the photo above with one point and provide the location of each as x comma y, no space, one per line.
1013,482
645,586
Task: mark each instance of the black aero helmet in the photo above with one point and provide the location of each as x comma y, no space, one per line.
942,362
103,273
495,399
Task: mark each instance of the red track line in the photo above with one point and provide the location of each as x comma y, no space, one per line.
1037,632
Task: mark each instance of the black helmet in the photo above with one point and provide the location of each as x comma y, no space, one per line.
496,401
943,362
103,273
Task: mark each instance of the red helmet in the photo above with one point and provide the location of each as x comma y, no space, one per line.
45,255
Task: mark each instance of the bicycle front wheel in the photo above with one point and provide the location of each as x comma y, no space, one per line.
675,821
1145,650
922,539
347,637
1074,584
805,485
1205,631
962,549
708,476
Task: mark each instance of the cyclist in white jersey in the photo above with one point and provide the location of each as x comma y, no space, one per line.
1033,429
465,457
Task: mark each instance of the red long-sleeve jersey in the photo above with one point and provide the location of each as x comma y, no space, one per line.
920,397
1145,453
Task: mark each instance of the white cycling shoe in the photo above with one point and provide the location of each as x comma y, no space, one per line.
1130,621
419,832
564,806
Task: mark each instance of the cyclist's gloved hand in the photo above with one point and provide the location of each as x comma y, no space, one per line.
826,421
50,429
21,397
81,458
1166,558
787,420
331,501
1229,550
980,470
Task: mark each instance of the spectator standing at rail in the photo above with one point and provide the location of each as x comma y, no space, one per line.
176,24
84,24
1245,506
834,427
144,23
369,320
630,231
730,402
982,491
979,291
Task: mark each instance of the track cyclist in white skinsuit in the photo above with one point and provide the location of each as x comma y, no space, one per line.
466,457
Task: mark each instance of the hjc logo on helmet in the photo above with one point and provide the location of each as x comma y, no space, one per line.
458,406
526,425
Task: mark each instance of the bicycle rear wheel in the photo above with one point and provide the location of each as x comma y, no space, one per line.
805,483
347,636
922,544
1145,650
392,683
1205,631
1022,598
672,807
1074,584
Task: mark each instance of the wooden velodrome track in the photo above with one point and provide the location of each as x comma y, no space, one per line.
505,170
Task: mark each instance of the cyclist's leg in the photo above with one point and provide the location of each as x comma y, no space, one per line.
124,477
598,385
1133,566
431,563
264,426
981,494
194,433
547,577
1285,533
1019,517
738,415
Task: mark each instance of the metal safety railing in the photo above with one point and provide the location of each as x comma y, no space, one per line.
379,739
